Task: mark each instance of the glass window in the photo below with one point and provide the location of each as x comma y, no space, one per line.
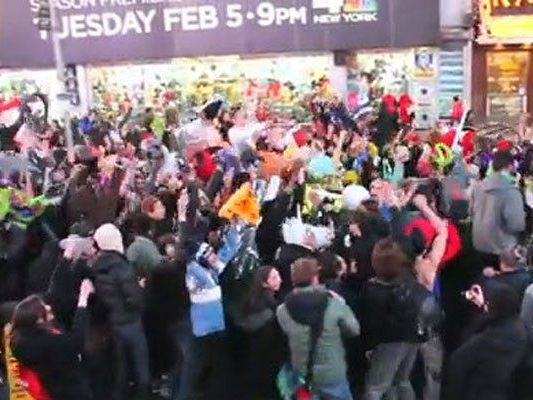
507,84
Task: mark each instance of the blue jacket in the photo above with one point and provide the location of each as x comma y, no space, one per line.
207,314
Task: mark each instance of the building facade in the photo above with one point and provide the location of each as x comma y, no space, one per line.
502,60
133,46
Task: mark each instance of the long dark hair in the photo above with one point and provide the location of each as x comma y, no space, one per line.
27,313
257,293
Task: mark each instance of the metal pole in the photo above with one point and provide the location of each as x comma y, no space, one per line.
60,66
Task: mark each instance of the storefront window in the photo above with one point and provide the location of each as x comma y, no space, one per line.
371,74
25,82
189,82
507,84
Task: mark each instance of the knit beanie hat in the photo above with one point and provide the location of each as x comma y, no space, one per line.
109,238
353,196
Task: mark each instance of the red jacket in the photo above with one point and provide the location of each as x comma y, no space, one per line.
457,110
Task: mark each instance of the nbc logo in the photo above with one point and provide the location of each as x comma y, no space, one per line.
348,6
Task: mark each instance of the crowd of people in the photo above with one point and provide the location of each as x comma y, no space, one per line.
245,256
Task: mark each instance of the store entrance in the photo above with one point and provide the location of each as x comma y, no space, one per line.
507,84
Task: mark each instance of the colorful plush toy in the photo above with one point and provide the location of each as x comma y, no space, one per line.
242,204
23,209
443,156
271,164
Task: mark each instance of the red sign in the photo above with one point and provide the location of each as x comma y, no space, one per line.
511,7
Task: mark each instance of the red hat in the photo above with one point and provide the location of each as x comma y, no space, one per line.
412,137
146,135
405,101
388,99
206,166
504,145
448,138
453,244
390,102
300,137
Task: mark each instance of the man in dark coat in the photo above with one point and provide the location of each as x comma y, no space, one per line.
484,366
513,270
14,259
117,286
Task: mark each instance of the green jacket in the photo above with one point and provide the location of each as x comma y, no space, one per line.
330,361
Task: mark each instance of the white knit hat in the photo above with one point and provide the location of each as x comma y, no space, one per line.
353,196
109,238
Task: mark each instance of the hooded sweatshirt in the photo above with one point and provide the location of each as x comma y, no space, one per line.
498,215
295,316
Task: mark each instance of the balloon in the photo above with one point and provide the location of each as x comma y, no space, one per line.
321,165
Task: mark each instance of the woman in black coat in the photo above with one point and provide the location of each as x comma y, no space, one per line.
54,356
485,365
265,346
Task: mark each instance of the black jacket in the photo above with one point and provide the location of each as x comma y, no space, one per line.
55,358
265,344
14,260
41,269
117,287
269,237
64,288
485,365
519,280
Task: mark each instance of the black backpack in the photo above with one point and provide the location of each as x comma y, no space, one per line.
406,311
420,309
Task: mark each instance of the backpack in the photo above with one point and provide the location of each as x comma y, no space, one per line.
407,312
420,308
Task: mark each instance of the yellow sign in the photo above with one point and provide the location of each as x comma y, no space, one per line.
506,19
511,7
16,389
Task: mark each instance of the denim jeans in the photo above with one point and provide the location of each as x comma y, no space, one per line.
132,353
390,371
183,338
432,355
201,355
340,391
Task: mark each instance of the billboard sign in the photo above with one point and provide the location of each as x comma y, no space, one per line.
102,31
